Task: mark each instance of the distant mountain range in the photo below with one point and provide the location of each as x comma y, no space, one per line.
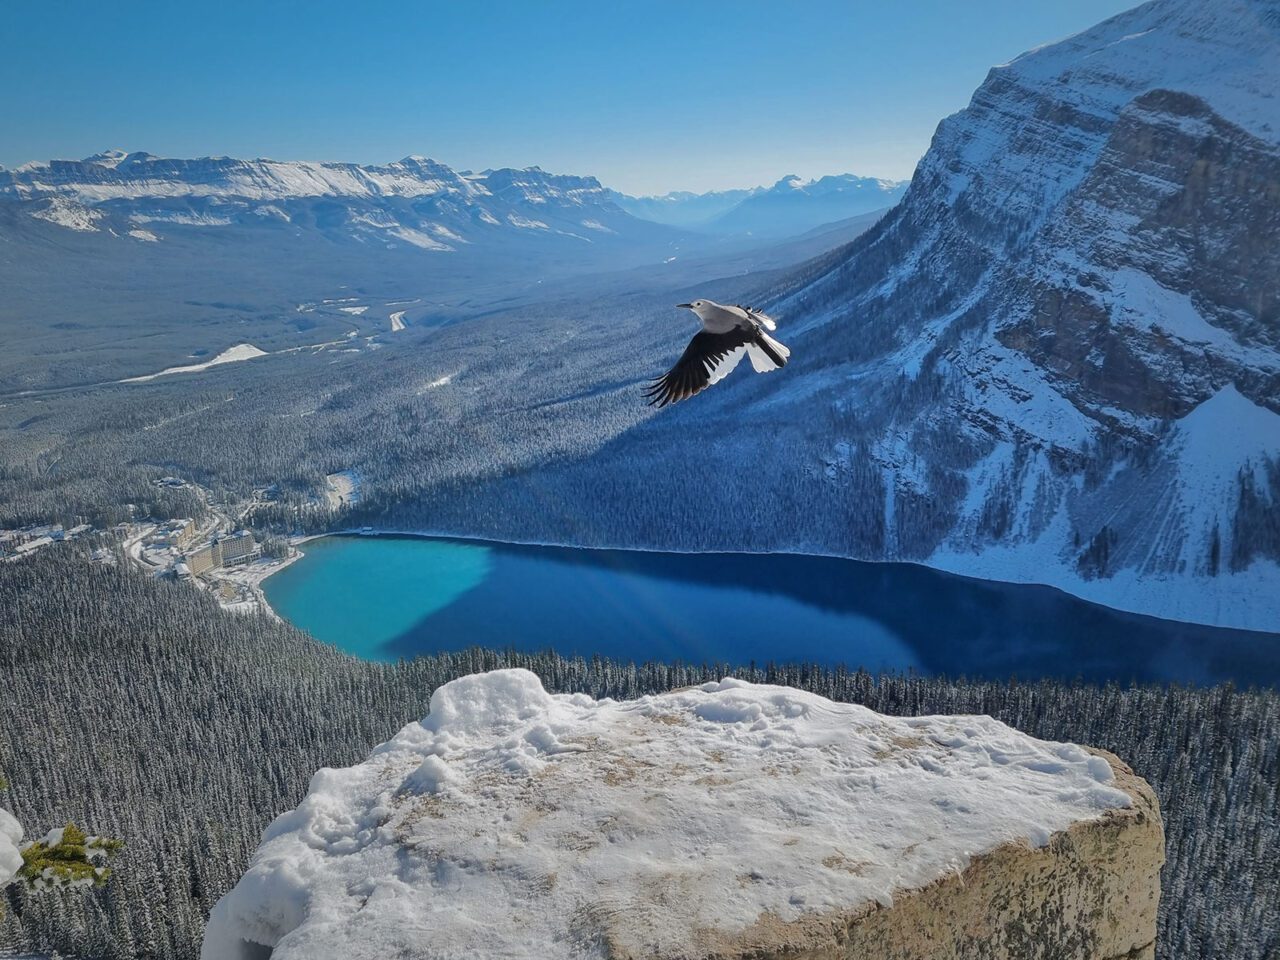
415,202
791,206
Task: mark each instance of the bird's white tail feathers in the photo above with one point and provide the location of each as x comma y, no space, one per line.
763,319
761,361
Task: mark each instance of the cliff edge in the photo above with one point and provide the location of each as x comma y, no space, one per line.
729,820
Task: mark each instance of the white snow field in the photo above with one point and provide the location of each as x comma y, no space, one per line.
10,837
516,824
241,351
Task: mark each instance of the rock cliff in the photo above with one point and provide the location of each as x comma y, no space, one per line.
725,821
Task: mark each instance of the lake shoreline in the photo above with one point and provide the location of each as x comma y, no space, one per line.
946,571
399,599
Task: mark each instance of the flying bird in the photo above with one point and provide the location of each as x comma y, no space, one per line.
727,334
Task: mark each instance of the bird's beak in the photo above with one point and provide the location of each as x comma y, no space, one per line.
687,306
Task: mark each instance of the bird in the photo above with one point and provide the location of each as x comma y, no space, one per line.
728,333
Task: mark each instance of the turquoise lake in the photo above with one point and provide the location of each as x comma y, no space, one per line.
388,597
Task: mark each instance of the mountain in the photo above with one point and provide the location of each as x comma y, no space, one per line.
123,264
1056,360
790,207
1070,326
681,208
414,202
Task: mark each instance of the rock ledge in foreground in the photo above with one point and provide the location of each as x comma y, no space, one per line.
727,821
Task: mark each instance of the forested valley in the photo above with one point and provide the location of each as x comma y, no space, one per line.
137,708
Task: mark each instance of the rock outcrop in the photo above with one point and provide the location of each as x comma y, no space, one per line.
727,821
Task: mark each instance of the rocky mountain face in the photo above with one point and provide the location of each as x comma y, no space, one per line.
415,202
1056,360
1070,327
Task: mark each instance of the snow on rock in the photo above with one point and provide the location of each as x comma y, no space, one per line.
10,838
515,823
69,214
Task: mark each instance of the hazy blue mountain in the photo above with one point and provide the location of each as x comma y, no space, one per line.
790,207
681,208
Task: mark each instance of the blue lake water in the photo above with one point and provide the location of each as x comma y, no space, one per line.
391,597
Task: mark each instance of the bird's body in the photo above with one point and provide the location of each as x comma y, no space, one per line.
728,334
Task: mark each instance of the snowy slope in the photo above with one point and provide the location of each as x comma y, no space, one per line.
512,823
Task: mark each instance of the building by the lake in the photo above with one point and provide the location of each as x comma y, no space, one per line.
234,548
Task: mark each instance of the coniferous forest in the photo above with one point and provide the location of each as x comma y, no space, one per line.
139,709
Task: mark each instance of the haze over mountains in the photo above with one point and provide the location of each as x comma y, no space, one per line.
789,207
414,202
160,246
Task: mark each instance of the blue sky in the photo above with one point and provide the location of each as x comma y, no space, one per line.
649,97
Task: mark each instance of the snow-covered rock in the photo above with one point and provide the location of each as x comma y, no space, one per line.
727,820
10,838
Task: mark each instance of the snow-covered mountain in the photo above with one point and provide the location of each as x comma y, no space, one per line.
790,207
1074,319
1057,359
681,208
415,202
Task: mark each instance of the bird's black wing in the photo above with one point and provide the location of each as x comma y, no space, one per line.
708,357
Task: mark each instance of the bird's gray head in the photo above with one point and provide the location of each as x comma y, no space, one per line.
700,307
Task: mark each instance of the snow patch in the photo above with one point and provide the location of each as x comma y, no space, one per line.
525,223
418,239
514,823
10,839
66,213
241,351
1213,445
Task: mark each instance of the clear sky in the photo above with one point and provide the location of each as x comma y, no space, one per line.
649,97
